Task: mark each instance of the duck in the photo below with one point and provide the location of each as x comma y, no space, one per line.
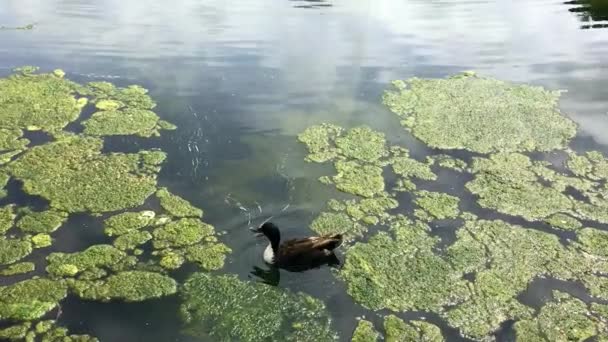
298,254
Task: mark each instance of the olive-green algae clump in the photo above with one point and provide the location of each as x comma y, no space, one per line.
94,262
7,216
41,222
438,205
75,176
365,332
30,299
128,222
18,268
227,309
176,205
400,271
480,114
12,250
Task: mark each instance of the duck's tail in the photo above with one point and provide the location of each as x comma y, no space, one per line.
334,241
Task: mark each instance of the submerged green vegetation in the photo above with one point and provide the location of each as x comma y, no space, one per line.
225,308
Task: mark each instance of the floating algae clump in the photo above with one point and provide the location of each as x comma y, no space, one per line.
408,167
41,240
397,330
128,222
10,139
401,272
449,162
363,180
129,121
176,205
563,221
226,309
44,101
74,176
209,256
132,96
336,223
94,259
130,286
12,250
505,258
7,216
362,143
184,232
30,299
594,241
15,332
563,319
506,182
18,268
319,140
41,222
132,240
480,114
439,205
365,332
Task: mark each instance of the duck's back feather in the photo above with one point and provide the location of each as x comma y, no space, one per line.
309,252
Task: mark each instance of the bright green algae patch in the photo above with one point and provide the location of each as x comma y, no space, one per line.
130,286
128,222
365,332
480,114
74,176
130,121
226,309
44,101
438,205
184,232
176,205
399,271
30,299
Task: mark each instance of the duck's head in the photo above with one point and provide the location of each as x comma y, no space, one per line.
269,230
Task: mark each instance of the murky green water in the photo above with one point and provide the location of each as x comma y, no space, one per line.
241,79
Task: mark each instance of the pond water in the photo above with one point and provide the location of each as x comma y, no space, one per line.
241,79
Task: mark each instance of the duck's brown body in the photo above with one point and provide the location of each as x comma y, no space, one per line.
299,254
311,252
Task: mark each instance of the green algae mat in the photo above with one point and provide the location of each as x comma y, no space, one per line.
396,259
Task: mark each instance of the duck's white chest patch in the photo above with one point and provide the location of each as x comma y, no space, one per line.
269,254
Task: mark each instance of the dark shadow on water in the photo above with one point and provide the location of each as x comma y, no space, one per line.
590,11
16,195
152,320
311,4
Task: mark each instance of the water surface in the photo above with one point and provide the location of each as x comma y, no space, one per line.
242,78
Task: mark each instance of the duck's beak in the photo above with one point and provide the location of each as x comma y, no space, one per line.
256,230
